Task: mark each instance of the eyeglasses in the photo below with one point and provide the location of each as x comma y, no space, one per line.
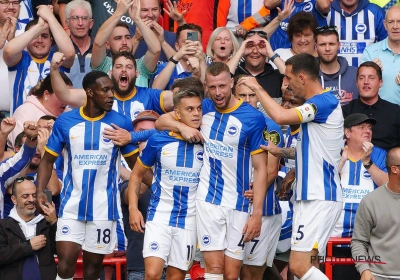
83,18
7,3
321,29
260,33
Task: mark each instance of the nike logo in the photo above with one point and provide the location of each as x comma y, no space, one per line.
73,137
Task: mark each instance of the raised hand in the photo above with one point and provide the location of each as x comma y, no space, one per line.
7,125
57,61
172,11
288,9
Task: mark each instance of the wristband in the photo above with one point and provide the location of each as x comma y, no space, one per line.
368,165
173,60
274,56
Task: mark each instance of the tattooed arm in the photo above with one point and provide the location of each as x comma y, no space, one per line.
288,153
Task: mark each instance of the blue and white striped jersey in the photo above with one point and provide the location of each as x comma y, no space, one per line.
357,30
279,39
274,133
91,164
10,169
139,100
231,137
290,142
26,74
177,165
239,10
356,183
318,149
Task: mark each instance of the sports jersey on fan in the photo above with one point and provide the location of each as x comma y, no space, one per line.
177,165
290,142
318,149
357,30
139,100
91,164
356,183
239,10
231,137
271,203
26,74
280,39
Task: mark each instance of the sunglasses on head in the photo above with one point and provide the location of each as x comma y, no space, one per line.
260,33
321,29
21,179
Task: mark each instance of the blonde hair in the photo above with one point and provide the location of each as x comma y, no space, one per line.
214,36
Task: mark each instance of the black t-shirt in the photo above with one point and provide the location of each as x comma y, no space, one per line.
386,132
134,255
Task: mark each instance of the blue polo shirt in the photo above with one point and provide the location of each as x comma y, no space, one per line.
179,73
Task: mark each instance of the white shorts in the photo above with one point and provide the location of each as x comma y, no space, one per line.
97,237
176,246
262,249
220,228
313,223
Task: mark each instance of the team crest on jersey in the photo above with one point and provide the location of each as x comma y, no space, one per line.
232,130
135,114
361,28
199,156
105,140
366,175
308,7
206,240
65,230
46,72
154,246
272,136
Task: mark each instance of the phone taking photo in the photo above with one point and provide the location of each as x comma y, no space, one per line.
192,36
48,196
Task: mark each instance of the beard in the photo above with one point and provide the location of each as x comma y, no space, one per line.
121,92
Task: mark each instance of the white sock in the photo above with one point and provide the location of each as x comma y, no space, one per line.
314,274
213,276
59,278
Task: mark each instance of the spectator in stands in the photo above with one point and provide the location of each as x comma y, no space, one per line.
187,61
386,134
79,22
362,169
11,168
40,101
25,15
360,23
375,236
115,36
336,74
26,68
255,50
27,240
221,46
385,54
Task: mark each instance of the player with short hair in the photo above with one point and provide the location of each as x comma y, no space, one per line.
90,200
318,191
232,132
170,236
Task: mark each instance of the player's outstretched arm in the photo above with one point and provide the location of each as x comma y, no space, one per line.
135,190
252,228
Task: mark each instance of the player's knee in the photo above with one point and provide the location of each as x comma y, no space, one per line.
298,269
153,274
66,269
247,274
216,268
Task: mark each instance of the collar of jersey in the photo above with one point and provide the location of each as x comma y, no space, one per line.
230,110
172,134
294,132
91,119
40,60
127,97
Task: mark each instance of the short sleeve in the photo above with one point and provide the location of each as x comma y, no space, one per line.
105,66
317,108
142,69
156,100
148,156
207,106
57,139
378,157
257,133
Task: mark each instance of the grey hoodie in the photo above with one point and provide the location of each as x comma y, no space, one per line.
343,83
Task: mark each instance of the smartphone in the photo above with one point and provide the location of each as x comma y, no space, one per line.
48,196
192,36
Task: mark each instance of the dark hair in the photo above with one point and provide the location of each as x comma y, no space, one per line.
327,32
18,139
391,158
122,24
305,63
236,80
301,21
48,118
33,23
188,83
186,93
90,78
45,84
373,65
127,55
188,26
216,68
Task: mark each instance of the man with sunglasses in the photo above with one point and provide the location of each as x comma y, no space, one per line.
27,240
336,74
90,203
257,49
10,168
